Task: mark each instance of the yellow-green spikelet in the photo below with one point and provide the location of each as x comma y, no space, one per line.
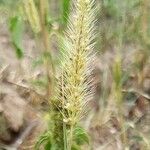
32,15
78,60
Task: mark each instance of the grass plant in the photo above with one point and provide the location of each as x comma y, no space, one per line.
74,85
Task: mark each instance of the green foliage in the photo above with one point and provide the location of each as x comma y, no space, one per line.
117,73
111,7
137,138
46,56
40,82
66,10
121,21
16,30
76,147
37,62
8,2
44,140
80,136
1,1
117,80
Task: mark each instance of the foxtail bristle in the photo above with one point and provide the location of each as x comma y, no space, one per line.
75,87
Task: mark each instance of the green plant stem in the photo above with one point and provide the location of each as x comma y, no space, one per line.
70,137
65,136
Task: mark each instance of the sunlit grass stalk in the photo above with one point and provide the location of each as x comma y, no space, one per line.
144,18
117,91
37,18
142,56
32,15
48,62
75,90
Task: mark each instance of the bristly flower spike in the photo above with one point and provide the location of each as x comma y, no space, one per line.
75,85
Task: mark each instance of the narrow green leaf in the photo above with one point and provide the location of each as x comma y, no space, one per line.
65,14
48,146
76,147
44,139
16,30
19,51
80,136
138,138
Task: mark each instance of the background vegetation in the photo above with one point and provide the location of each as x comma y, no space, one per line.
32,41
